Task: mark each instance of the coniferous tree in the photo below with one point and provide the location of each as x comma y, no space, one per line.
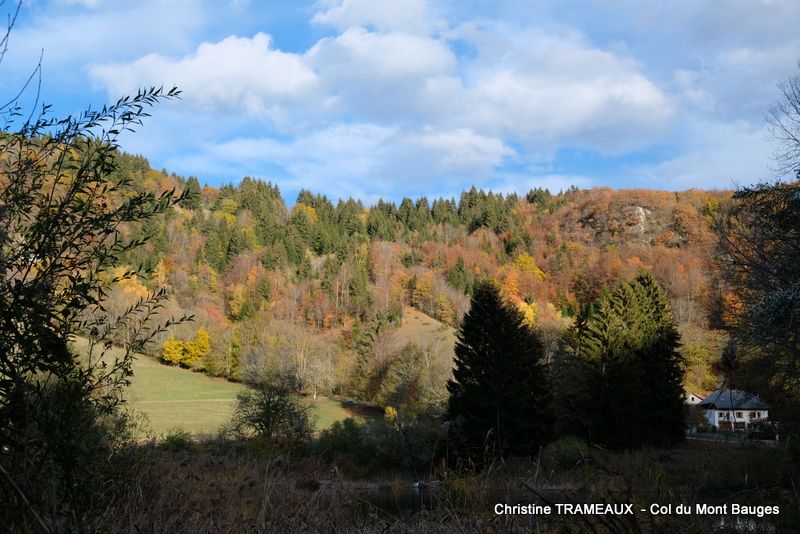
192,201
499,393
625,384
458,276
662,404
443,211
406,213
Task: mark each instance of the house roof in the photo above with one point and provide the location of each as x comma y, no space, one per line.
733,399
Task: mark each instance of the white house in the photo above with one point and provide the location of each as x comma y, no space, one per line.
692,398
729,409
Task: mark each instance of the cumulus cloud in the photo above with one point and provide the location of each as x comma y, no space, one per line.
408,15
715,154
462,150
246,73
543,89
394,97
550,89
389,75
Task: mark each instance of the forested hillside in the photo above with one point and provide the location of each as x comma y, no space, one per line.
318,289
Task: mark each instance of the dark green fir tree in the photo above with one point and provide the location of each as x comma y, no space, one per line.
499,394
626,382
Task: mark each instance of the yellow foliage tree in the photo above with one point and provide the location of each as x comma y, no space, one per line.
237,300
186,353
196,349
308,211
172,351
529,311
229,206
525,263
131,285
160,273
444,310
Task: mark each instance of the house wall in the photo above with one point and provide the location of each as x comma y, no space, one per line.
715,417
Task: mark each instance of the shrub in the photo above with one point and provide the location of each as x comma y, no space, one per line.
565,453
348,445
66,219
176,440
272,412
364,448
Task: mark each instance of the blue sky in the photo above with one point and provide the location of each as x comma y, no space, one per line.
381,98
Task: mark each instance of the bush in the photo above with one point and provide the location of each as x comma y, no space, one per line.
365,448
565,453
67,218
176,440
348,445
272,412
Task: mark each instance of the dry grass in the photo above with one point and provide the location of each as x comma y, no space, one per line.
230,488
425,331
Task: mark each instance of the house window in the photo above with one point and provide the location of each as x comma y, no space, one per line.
722,415
739,415
753,415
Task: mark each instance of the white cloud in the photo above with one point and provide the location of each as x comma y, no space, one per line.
532,88
715,155
738,83
387,56
386,75
395,98
555,89
463,150
245,73
406,15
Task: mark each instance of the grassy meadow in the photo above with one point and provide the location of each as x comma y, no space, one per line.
173,398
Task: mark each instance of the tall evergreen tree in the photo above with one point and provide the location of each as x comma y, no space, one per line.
626,383
406,213
458,276
662,403
499,393
192,201
444,211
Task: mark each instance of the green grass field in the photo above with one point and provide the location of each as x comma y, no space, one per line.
172,398
327,411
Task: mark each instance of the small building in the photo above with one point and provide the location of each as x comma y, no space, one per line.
692,398
733,409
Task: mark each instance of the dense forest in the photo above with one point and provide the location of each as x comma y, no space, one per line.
316,288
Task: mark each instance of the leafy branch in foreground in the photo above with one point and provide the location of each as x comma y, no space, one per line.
64,220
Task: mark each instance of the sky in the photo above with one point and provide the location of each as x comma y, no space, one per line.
391,98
